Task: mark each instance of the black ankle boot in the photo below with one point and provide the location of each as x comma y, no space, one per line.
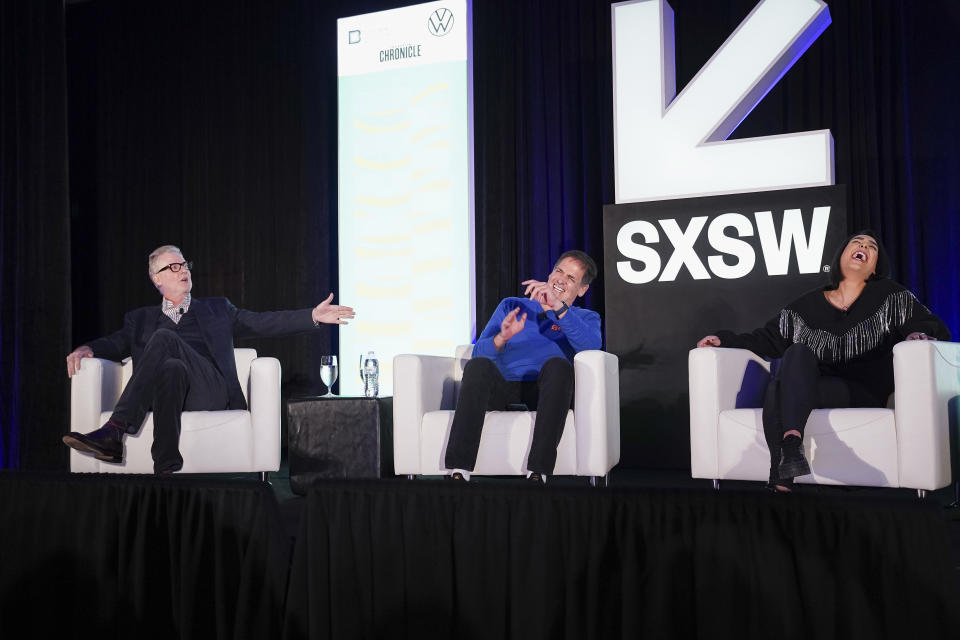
775,484
792,461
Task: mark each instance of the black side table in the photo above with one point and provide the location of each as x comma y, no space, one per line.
339,437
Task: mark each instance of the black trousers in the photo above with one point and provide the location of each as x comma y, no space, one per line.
170,377
484,389
799,386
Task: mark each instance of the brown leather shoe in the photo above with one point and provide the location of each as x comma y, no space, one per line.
106,443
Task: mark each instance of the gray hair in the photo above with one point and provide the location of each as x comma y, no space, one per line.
156,253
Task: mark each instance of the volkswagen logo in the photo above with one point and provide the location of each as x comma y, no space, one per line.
440,22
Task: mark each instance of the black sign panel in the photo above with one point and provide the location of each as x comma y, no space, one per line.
677,270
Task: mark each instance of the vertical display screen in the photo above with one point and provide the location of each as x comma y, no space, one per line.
405,149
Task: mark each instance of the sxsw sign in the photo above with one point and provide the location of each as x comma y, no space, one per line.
729,255
705,233
670,146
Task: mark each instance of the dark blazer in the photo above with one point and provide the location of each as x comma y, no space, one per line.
220,322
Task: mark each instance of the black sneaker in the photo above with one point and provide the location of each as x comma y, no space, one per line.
792,461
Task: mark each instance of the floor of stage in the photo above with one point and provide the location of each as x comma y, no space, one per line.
292,505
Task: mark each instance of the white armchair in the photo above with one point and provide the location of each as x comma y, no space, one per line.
425,391
906,445
210,441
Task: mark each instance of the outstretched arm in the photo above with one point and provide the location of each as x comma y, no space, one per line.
332,313
280,323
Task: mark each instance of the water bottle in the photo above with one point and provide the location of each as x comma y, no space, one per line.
370,374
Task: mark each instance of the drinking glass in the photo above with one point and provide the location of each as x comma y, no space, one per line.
328,373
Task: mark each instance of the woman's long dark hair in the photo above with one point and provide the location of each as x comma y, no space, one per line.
883,262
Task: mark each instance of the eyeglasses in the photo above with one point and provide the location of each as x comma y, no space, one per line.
176,266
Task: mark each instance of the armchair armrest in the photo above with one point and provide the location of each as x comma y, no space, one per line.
420,384
95,388
264,408
926,395
596,412
717,383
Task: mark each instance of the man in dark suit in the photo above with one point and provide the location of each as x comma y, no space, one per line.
183,359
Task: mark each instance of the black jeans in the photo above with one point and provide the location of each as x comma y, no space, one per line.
484,389
798,387
170,377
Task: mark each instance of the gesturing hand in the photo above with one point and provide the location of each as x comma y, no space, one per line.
332,313
543,293
709,341
510,327
73,360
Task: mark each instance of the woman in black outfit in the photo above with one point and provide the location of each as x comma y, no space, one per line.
836,345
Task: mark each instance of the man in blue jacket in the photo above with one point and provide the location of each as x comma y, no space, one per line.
182,359
525,356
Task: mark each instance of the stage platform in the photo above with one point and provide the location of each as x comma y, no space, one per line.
654,555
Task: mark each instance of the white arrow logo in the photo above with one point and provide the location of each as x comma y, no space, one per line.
674,147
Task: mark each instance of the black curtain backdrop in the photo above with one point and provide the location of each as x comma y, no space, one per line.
197,112
438,560
89,556
543,127
213,126
35,248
